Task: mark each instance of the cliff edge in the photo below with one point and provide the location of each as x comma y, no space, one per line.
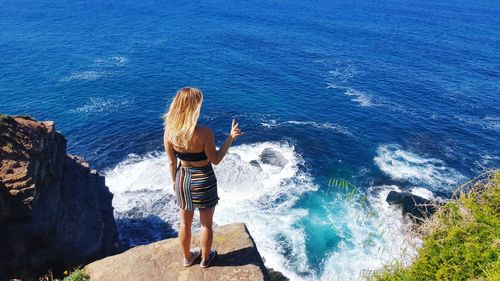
55,212
238,259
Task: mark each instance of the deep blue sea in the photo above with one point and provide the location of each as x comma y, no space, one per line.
389,95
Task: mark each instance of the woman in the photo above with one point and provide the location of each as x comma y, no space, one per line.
193,179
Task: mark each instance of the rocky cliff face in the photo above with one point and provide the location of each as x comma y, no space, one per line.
238,259
54,211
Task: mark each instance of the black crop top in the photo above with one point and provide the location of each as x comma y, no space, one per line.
187,156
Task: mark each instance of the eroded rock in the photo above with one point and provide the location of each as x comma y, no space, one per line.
54,213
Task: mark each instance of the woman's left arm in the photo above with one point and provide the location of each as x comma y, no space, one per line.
172,159
215,156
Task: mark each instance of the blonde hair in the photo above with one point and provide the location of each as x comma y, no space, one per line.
182,117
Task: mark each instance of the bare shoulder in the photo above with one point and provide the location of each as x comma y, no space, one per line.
204,131
165,136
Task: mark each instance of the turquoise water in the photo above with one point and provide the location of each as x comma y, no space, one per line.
388,95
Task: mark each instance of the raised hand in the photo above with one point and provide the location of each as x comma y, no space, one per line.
235,130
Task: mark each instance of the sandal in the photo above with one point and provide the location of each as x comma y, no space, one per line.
211,257
195,253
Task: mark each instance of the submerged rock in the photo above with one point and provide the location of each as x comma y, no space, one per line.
276,275
413,205
272,157
255,163
238,259
54,211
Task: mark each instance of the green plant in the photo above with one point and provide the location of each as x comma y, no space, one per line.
352,192
461,241
78,274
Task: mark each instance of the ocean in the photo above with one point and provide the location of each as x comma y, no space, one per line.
387,95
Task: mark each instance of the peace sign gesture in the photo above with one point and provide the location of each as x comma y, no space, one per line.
235,130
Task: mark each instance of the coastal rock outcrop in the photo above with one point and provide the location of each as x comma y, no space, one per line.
272,157
238,259
55,212
416,207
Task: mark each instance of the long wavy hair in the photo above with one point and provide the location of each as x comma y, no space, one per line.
182,116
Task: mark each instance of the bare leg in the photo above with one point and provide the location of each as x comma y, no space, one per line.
206,236
185,231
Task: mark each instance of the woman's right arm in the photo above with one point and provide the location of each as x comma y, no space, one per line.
172,159
215,156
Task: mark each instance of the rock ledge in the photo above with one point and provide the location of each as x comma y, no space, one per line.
238,259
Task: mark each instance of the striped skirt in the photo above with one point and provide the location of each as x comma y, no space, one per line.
196,187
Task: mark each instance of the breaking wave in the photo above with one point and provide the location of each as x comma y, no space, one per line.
407,166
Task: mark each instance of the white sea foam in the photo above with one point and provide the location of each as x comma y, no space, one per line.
371,241
326,125
143,199
89,75
120,60
343,73
487,122
369,100
423,192
100,68
361,98
138,173
269,124
407,166
489,159
112,61
257,183
493,122
98,105
486,162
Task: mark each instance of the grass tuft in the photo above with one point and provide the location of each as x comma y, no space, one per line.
77,275
461,240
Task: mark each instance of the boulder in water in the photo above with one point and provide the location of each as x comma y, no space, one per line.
272,157
411,204
255,163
